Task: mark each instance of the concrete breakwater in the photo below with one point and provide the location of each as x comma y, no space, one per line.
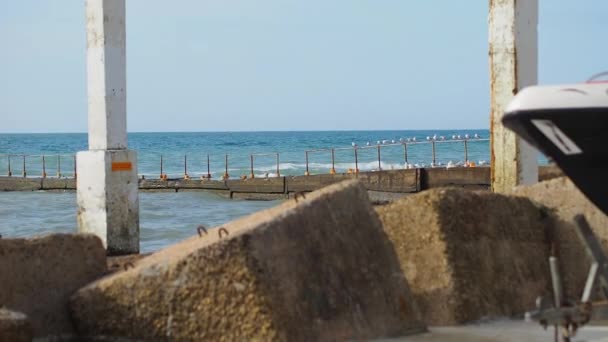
381,185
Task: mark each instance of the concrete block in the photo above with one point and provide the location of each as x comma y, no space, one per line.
564,199
314,182
469,255
318,269
199,184
466,177
14,326
152,184
265,185
20,184
391,180
54,184
38,275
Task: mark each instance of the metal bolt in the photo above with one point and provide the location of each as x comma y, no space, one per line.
200,229
222,229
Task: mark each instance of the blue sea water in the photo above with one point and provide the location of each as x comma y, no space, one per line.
291,147
169,217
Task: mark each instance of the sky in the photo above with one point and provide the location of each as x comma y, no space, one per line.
243,65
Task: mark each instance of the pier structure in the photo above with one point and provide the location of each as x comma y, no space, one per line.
107,185
513,53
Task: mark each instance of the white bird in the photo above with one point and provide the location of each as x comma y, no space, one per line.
442,138
450,165
368,143
414,139
428,138
459,137
384,141
378,142
454,136
353,143
408,139
400,139
476,136
393,141
435,137
466,136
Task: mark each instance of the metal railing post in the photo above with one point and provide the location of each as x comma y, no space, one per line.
59,166
208,168
306,173
466,153
356,160
433,143
24,171
379,163
252,176
226,176
186,167
43,167
75,167
161,168
405,154
278,166
332,171
10,173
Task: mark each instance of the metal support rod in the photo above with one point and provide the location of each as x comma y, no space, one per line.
433,143
333,169
10,173
278,170
226,172
24,171
306,173
356,161
208,168
556,282
186,166
379,163
74,167
405,154
251,160
161,167
466,153
43,167
59,166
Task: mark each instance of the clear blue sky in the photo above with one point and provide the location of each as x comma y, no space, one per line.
200,65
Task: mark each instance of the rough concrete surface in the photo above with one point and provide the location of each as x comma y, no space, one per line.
14,326
38,275
321,268
562,197
469,255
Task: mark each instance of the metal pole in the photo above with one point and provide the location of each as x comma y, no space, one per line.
74,167
186,167
10,173
161,167
24,171
306,173
226,173
43,167
333,169
379,164
466,153
59,166
251,160
278,170
433,143
405,153
208,168
356,161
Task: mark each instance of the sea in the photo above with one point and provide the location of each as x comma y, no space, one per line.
166,218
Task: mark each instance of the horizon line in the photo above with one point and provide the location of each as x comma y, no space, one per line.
272,131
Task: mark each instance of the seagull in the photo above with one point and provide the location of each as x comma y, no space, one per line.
378,142
368,143
454,136
354,145
476,136
400,139
408,139
414,139
442,138
428,138
459,137
385,141
393,141
435,137
466,136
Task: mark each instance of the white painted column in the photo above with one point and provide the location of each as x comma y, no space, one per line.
107,184
513,35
